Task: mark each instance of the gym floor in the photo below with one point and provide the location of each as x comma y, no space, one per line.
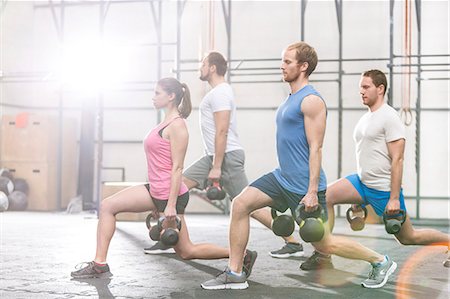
39,250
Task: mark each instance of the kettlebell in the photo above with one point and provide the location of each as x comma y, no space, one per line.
154,231
356,222
169,235
311,225
214,191
393,223
282,225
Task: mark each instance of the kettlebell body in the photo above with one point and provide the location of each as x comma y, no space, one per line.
154,231
356,222
215,192
282,225
169,236
311,224
393,223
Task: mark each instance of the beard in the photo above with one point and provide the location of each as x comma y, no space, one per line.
204,77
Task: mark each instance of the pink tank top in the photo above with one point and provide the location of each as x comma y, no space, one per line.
159,163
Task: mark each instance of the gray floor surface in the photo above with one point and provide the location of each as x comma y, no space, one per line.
39,250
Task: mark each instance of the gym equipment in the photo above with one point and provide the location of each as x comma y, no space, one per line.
21,185
311,225
214,191
154,231
6,185
169,235
393,223
282,225
356,222
18,201
6,173
4,203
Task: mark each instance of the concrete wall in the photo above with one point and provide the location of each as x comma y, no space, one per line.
260,29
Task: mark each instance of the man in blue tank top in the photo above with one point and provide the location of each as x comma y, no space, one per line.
301,122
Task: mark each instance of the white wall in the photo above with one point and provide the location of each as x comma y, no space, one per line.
260,29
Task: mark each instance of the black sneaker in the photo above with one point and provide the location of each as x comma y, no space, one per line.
91,270
317,261
288,250
159,248
249,261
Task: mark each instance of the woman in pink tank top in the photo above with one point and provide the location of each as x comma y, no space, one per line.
165,195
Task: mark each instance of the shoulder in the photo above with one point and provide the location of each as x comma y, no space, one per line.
390,114
312,104
178,123
223,89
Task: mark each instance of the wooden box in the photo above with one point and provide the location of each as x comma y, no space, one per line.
29,147
110,188
36,139
42,179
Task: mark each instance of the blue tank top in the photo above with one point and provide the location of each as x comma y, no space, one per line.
292,145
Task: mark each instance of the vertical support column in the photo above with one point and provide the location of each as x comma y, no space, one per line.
303,4
157,19
338,4
227,17
60,117
59,26
180,9
99,124
391,52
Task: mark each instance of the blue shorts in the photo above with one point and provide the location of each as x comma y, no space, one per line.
377,199
284,199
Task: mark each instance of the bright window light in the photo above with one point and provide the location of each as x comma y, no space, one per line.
93,66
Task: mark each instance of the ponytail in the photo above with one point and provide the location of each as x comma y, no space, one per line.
185,106
182,94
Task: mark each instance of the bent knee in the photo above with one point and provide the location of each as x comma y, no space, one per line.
184,254
106,206
325,247
406,240
240,206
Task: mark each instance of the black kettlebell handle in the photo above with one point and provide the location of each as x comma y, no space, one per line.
301,214
401,214
163,218
274,213
350,210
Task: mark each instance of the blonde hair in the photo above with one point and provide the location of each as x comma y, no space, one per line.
305,53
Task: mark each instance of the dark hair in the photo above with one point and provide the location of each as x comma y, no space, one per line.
182,94
215,58
378,78
305,53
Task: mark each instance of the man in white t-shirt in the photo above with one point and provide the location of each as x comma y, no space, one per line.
380,144
224,157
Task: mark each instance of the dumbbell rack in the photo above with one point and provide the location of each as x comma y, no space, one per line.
223,205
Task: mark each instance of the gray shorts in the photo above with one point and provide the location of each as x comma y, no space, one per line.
233,179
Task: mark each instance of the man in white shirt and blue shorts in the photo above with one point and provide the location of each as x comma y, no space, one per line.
380,144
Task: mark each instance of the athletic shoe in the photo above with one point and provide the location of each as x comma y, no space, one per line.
159,248
249,261
317,261
288,250
91,270
226,280
379,274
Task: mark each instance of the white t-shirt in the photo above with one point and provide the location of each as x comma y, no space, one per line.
220,98
372,133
